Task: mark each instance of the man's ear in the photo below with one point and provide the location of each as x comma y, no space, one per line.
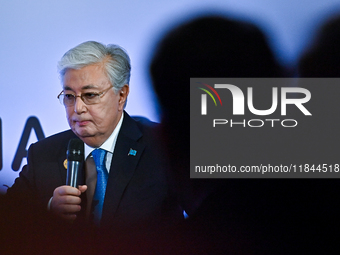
123,94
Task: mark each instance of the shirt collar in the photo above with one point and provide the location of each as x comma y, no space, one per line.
110,143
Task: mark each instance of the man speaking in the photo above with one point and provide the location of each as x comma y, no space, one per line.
126,179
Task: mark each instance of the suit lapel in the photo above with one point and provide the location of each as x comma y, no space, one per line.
63,169
123,165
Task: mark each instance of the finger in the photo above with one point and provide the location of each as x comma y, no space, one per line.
66,190
69,217
58,203
64,210
82,188
68,209
68,200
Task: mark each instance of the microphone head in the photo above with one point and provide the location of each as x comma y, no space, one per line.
75,150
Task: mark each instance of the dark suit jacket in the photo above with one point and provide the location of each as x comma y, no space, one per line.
138,192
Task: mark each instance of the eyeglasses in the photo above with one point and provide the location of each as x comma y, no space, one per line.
88,97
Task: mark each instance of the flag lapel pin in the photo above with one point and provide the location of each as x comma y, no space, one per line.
132,152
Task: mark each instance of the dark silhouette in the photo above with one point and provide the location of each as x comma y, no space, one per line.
322,59
225,215
205,47
244,216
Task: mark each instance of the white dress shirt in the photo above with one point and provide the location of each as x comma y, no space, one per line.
108,145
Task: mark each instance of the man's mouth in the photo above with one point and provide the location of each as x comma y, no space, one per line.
81,123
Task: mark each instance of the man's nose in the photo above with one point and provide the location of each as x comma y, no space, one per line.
79,105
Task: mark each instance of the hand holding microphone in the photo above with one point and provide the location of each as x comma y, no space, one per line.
66,199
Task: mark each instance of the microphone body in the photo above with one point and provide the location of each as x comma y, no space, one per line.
75,160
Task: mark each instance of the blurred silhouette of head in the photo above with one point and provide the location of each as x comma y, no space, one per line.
212,46
323,58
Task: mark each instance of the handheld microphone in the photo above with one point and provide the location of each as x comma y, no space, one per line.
75,159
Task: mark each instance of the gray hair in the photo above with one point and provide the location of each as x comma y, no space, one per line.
117,66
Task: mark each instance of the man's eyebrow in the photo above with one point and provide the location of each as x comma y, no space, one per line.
90,86
66,88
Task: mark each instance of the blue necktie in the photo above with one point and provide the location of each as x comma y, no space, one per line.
102,176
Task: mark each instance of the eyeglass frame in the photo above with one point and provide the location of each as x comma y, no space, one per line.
100,94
